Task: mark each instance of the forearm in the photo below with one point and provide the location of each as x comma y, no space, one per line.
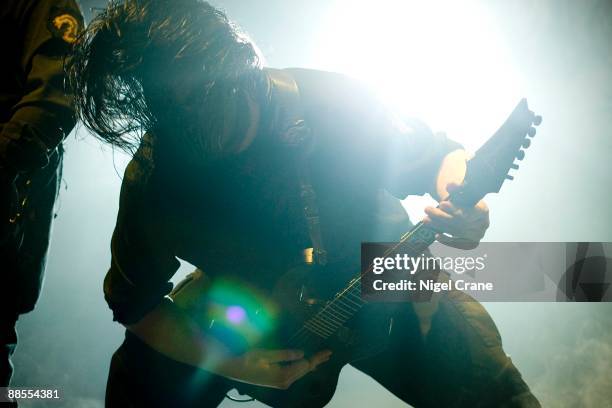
459,227
170,331
452,170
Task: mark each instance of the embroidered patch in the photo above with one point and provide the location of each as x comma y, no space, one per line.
65,25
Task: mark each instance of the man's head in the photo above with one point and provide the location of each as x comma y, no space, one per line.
169,64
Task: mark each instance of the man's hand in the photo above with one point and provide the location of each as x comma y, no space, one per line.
461,228
171,331
271,368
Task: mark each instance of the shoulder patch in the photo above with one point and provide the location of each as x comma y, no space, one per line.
65,24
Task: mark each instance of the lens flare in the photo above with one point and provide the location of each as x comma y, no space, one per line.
235,314
239,315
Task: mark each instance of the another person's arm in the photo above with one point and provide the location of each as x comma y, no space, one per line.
43,116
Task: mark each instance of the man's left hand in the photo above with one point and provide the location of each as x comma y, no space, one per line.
458,227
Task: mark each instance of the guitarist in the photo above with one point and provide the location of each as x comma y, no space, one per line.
213,181
35,116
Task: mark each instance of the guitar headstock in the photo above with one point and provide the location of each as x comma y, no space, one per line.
489,168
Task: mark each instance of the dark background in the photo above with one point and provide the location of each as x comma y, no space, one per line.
560,51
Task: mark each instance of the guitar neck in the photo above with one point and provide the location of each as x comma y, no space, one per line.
348,301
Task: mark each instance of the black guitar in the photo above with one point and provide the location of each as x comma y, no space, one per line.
332,324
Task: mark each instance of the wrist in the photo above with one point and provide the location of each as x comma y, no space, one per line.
452,170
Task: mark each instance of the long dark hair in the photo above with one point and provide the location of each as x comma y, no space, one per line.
134,57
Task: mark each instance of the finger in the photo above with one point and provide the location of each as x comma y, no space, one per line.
480,210
450,187
278,356
319,358
482,207
450,208
446,227
445,223
289,374
437,213
298,369
459,243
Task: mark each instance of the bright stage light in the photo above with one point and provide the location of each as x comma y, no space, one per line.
441,61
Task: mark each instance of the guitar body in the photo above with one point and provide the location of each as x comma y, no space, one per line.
362,336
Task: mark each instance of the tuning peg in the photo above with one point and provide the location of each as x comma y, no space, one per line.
537,120
531,131
520,155
526,143
514,166
509,177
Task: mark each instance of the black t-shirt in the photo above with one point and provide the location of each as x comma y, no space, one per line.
241,216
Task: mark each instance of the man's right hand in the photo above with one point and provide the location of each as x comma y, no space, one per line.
271,368
170,331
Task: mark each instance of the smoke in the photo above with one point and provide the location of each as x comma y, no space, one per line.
579,373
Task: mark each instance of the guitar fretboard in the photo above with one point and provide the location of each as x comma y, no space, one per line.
348,301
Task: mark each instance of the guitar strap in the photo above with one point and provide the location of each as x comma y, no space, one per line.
292,130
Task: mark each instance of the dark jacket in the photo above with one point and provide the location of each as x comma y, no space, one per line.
35,109
241,217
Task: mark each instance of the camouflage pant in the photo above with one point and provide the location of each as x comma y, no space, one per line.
461,363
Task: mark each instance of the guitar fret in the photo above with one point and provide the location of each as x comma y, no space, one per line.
329,316
317,328
341,312
336,315
343,317
314,330
357,297
353,302
324,323
346,307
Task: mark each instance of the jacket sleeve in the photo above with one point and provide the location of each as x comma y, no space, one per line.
142,254
413,154
45,107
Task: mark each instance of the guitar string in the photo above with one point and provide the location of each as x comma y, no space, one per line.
404,241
